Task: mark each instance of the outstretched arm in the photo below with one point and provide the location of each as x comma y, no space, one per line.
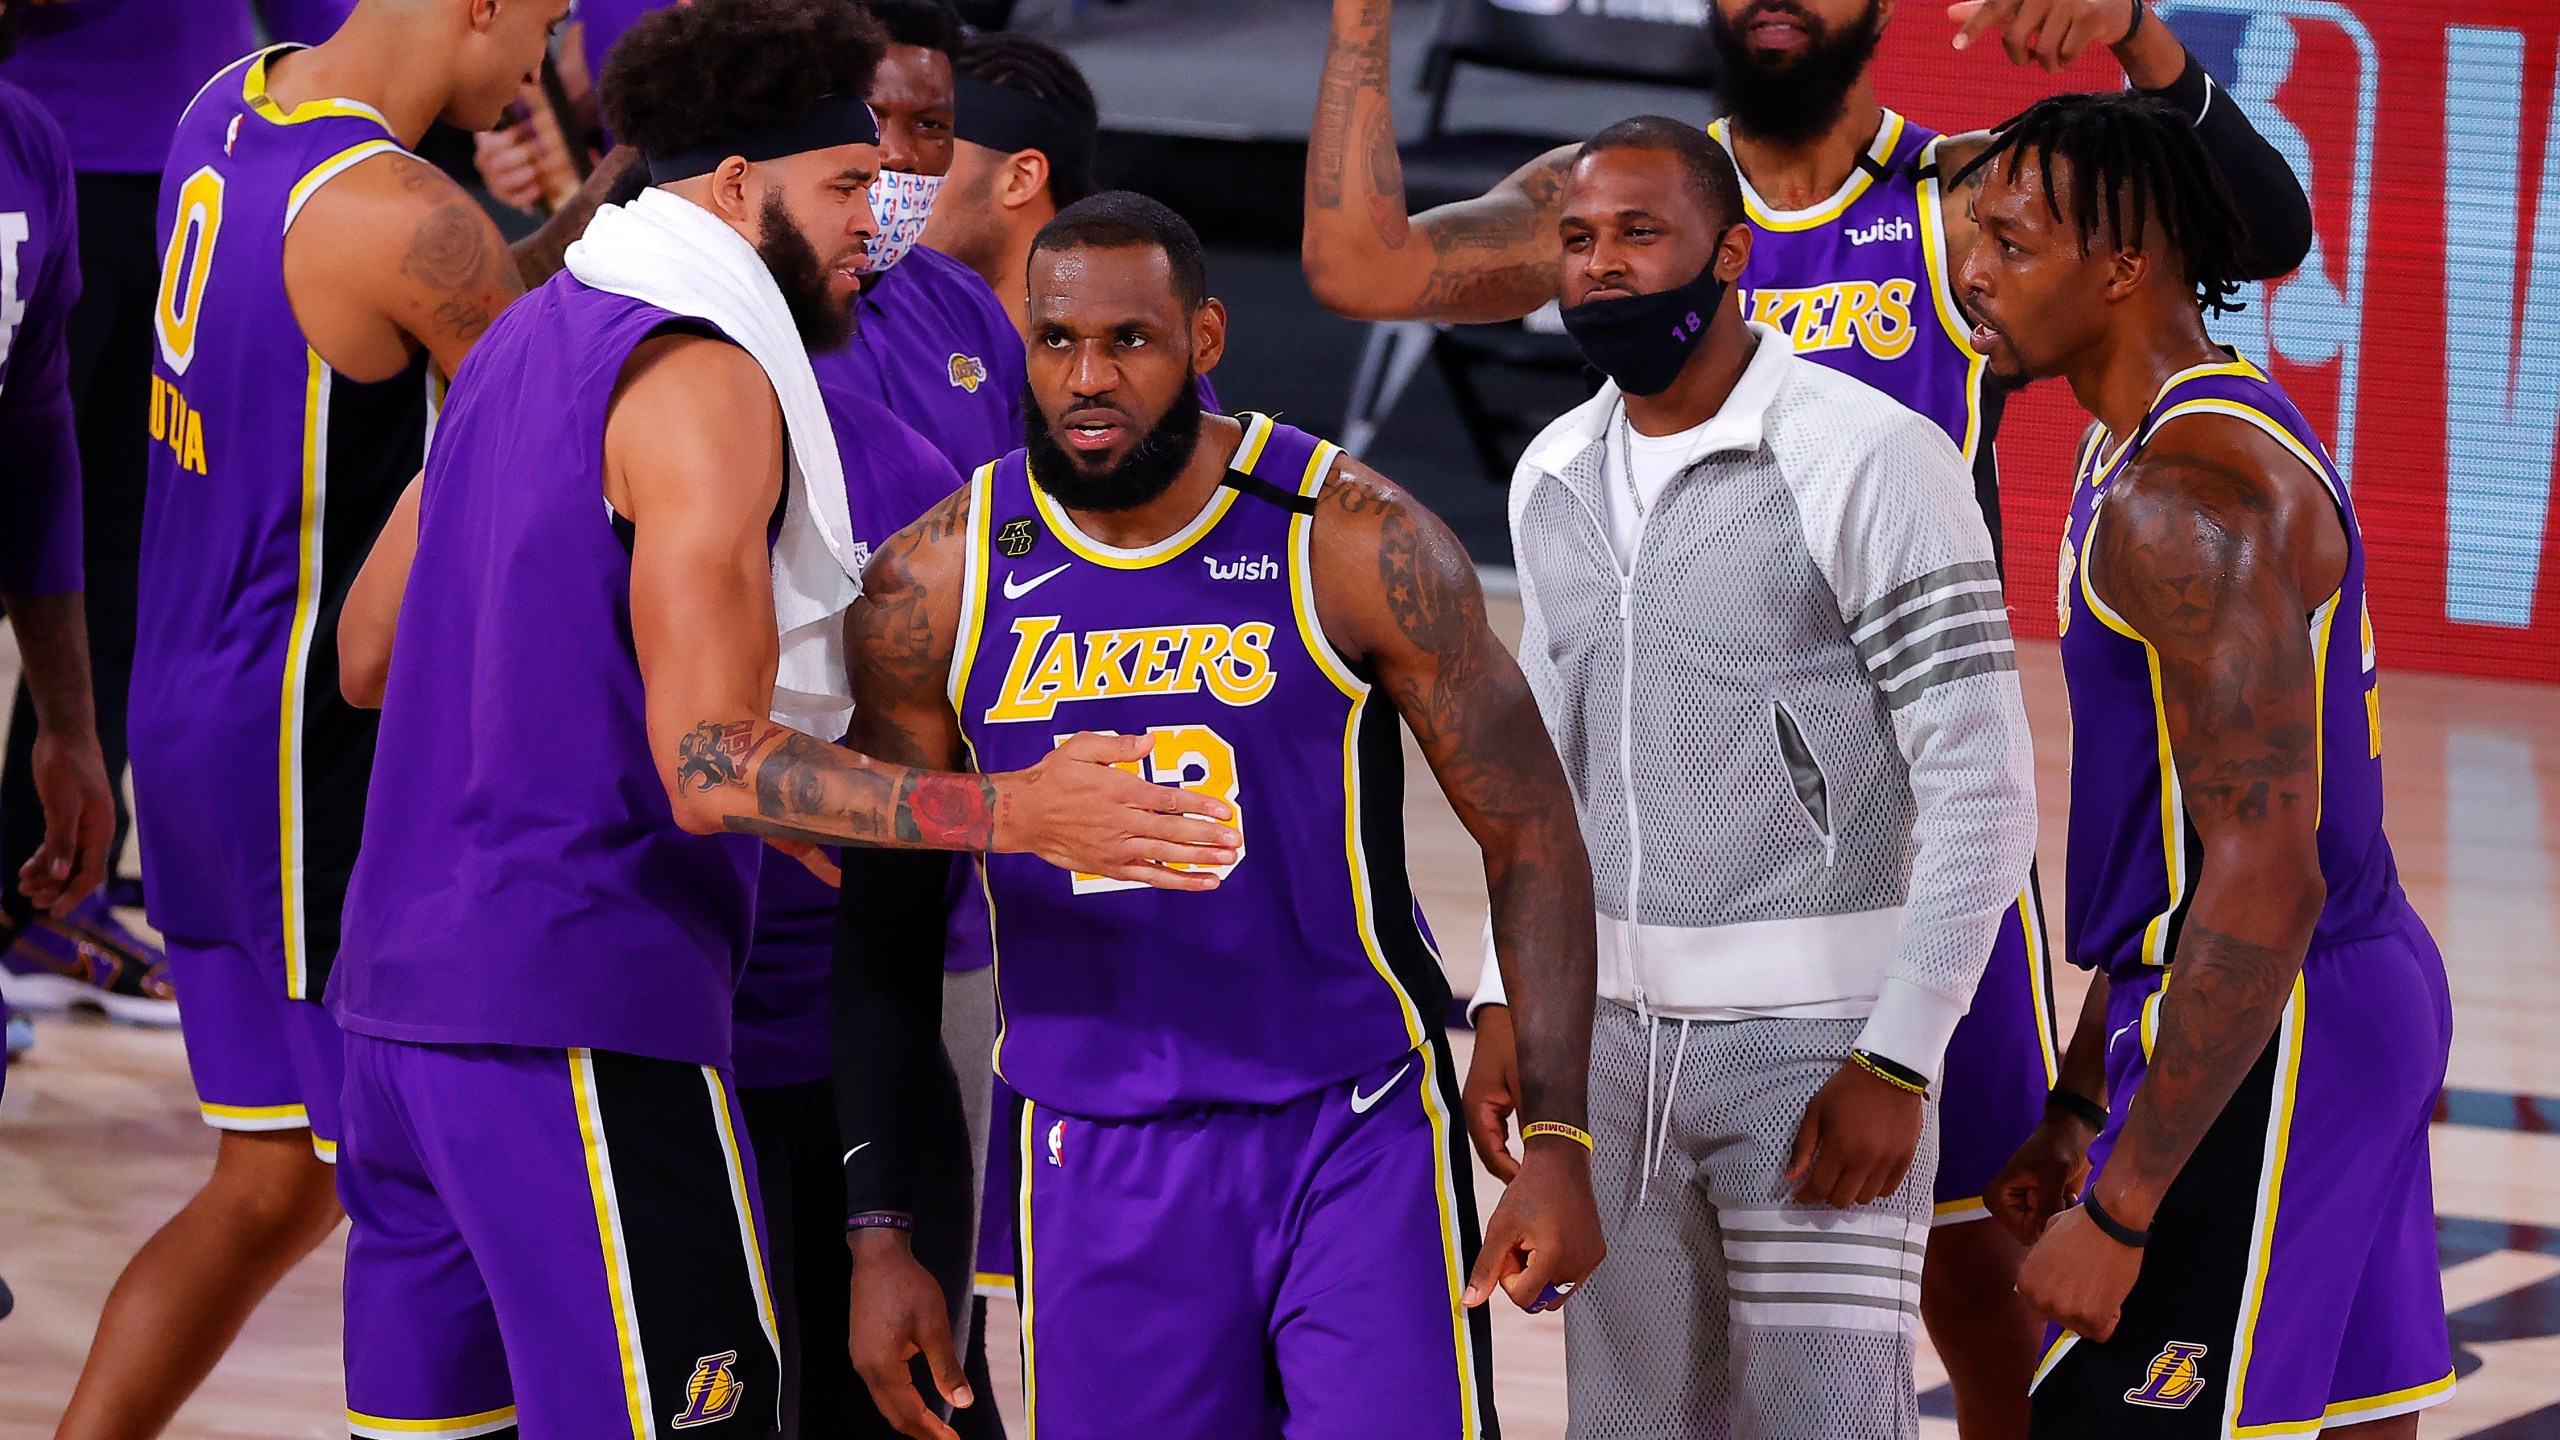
694,460
2053,33
2211,549
1395,589
1490,258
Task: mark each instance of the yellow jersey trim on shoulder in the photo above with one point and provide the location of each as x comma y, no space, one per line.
253,90
1302,578
973,584
2249,414
1762,214
1054,515
1933,255
330,169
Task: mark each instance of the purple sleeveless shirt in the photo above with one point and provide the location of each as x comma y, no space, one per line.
118,73
270,474
39,280
523,880
2134,860
1310,964
1859,282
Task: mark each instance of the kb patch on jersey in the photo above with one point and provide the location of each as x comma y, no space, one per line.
2173,1380
1016,536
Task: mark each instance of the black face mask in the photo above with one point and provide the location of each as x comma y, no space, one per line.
1644,341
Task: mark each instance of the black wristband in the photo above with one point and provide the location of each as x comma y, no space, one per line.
1892,1072
2139,10
2075,1103
2114,1229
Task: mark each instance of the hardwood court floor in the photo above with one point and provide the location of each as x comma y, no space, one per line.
99,1140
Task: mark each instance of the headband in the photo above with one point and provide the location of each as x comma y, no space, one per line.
829,121
1008,120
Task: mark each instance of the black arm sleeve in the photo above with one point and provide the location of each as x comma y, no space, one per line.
887,1021
2267,192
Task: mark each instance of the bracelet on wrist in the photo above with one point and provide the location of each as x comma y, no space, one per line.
2110,1226
1574,1133
881,1220
2077,1105
2139,11
1891,1072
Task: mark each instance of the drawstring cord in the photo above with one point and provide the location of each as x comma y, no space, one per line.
1657,1117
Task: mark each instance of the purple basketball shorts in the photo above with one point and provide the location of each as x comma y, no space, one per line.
1233,1271
260,1060
2291,1278
565,1243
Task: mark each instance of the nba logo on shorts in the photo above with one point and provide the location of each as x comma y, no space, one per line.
2172,1382
712,1393
2308,72
968,372
1058,1144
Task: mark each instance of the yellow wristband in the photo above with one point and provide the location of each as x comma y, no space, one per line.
1866,1062
1574,1133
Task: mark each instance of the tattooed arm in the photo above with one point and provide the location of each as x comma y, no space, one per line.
1490,258
391,257
2216,547
1394,590
694,456
619,176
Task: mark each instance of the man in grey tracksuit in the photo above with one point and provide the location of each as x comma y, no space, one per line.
1766,632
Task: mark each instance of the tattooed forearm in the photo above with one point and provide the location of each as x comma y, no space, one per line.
1355,65
780,782
712,755
2192,552
1471,712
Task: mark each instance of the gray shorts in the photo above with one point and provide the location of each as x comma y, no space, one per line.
1726,1309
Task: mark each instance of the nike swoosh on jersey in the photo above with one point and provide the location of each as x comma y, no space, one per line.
1013,591
1362,1104
856,1150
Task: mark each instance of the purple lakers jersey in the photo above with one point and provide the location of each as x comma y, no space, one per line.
270,476
1309,964
2134,857
39,280
1859,282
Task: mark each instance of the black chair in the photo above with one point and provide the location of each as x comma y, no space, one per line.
1530,37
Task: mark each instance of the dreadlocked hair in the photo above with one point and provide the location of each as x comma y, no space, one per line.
1043,72
2134,161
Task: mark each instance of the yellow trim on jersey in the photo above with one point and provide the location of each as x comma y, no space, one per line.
1302,578
254,1117
2395,1402
617,1266
2238,365
330,169
1022,1289
2173,809
2320,466
2323,622
460,1427
1933,255
253,89
1453,1254
1888,135
2150,1018
327,1150
746,1208
992,1285
1960,1212
2262,1239
2052,1356
1257,430
973,583
2040,985
297,662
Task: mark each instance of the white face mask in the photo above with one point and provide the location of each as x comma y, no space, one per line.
901,203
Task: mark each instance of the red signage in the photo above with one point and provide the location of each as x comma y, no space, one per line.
2423,334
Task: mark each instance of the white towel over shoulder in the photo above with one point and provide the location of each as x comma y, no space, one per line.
672,253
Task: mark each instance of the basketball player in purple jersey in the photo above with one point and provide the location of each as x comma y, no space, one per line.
313,271
40,552
555,1223
2276,1019
1243,1203
1854,226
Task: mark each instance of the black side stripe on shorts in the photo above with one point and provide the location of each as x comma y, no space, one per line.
667,1167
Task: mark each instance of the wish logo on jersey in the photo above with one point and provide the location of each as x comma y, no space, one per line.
1873,316
1050,668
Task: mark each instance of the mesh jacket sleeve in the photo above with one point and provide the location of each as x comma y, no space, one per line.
1540,668
1894,526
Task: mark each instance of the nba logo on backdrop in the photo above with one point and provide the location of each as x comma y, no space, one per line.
712,1392
2307,329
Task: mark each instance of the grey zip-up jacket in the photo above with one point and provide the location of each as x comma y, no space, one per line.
1792,724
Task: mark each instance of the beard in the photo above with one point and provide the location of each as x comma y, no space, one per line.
1137,478
823,321
1792,100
